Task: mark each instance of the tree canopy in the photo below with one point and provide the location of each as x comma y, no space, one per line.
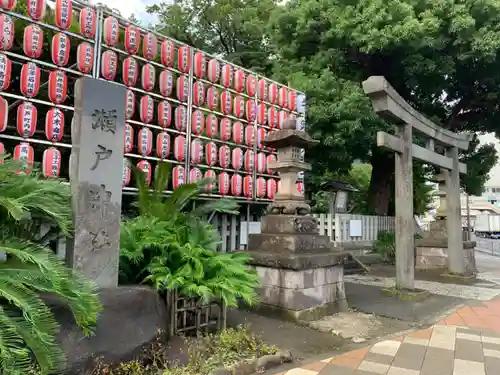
441,56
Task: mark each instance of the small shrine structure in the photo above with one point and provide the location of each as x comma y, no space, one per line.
301,273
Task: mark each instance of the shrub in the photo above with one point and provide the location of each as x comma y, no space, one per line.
385,245
171,247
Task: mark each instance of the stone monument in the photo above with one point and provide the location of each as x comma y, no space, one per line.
96,165
431,251
301,273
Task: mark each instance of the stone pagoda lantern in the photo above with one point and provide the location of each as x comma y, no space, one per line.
431,251
301,272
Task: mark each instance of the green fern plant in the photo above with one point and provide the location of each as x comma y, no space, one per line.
27,326
173,248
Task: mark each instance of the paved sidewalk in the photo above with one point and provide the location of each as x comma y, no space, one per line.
465,343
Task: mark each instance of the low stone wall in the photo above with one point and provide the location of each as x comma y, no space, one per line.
432,256
305,294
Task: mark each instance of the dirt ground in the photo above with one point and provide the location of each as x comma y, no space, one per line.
335,333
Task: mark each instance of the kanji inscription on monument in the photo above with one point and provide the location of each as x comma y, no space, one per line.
96,165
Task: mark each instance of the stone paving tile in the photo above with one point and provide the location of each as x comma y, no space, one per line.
466,342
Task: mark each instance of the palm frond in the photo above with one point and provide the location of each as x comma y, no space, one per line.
28,327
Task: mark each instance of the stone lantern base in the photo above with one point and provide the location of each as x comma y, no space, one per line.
431,252
302,276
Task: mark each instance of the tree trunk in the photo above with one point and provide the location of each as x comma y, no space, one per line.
381,182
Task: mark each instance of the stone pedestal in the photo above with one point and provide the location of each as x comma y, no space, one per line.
431,252
301,273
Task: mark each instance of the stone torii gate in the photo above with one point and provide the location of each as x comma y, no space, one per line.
388,104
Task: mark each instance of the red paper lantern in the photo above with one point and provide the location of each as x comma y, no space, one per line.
111,31
164,114
283,97
182,88
36,9
226,78
85,57
167,53
51,162
236,185
282,116
197,122
87,22
6,32
260,187
212,125
129,104
237,158
148,77
238,133
226,102
251,85
224,183
249,135
25,154
163,145
145,141
261,135
225,129
166,82
239,106
198,93
249,160
292,100
132,39
128,139
8,4
149,46
181,118
146,109
260,162
261,114
5,72
200,64
272,117
271,188
145,168
211,153
272,93
54,124
195,175
196,151
212,98
224,156
239,81
210,174
178,176
60,49
130,71
64,13
109,63
32,41
251,110
180,148
262,89
213,70
58,86
248,187
27,115
184,59
300,187
4,115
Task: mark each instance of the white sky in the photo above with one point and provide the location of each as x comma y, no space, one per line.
128,7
